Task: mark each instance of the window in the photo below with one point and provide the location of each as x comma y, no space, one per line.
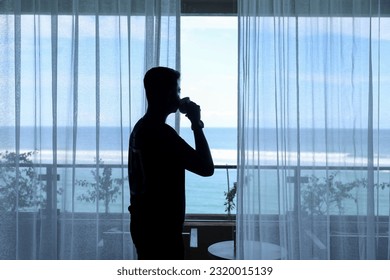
209,78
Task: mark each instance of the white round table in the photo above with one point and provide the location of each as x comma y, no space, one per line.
261,250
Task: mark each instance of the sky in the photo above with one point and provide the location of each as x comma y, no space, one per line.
209,69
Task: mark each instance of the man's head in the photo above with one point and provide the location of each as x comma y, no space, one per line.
161,86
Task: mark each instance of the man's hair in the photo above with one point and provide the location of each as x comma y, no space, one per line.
158,82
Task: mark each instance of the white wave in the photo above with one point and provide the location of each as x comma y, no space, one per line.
224,156
311,158
221,157
81,156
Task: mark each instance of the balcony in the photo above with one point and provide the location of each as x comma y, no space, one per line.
102,233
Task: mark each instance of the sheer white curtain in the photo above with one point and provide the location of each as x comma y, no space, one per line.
313,130
71,88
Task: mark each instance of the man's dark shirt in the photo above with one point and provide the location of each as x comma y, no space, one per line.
157,159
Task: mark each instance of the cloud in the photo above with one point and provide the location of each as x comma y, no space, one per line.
358,27
109,27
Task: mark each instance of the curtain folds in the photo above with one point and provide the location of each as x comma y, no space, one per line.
313,154
71,90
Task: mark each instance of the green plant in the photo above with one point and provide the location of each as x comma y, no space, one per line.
229,199
104,188
317,196
19,184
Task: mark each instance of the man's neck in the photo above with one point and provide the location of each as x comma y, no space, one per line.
156,116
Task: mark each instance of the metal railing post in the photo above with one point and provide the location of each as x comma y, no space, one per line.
48,217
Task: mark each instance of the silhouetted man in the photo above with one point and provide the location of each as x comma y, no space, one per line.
158,158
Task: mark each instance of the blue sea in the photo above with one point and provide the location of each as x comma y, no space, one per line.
204,195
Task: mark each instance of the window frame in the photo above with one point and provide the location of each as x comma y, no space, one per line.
198,7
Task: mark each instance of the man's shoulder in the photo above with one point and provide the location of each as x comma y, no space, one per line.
144,129
169,129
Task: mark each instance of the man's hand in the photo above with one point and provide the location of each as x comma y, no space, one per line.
193,112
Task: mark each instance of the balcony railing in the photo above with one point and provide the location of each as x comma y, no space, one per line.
64,180
55,177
